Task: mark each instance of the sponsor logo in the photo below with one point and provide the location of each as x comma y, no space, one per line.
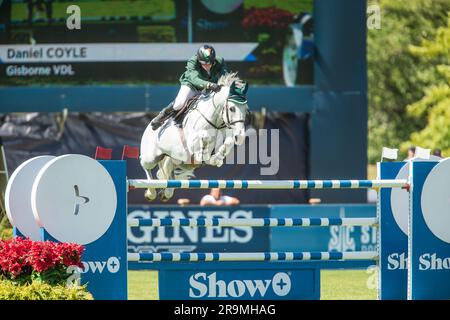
177,236
112,265
397,261
204,285
352,238
430,261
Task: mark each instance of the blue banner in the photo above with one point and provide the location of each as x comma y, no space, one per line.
248,239
196,239
333,238
237,281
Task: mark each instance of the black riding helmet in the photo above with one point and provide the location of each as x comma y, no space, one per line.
206,54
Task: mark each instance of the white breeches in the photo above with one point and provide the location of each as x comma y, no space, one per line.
184,94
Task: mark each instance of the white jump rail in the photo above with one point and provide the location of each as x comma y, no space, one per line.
251,256
266,184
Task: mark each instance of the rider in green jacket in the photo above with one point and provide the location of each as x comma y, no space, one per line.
203,70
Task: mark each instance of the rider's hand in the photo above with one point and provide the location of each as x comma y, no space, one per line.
213,86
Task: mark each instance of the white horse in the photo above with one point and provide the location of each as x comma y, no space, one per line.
216,123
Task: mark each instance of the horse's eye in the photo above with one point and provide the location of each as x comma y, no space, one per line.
232,109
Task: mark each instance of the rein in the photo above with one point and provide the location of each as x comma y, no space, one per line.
226,124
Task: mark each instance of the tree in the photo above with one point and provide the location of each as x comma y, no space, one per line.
398,77
434,106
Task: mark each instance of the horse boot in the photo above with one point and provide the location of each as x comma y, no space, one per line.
162,116
178,119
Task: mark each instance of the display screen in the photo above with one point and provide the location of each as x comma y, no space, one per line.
149,42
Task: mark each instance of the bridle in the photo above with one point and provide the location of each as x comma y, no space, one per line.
225,124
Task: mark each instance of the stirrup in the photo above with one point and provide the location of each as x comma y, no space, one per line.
165,113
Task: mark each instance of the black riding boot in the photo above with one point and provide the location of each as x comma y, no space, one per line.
162,116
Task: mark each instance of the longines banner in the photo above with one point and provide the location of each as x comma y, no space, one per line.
248,239
217,239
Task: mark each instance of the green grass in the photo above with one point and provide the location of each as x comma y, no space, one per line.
143,285
347,285
335,285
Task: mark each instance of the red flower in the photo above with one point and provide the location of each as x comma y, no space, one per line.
70,254
267,17
13,257
22,257
43,256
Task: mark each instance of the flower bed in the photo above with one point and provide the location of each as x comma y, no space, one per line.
25,261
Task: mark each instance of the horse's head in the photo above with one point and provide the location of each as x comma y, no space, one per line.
232,98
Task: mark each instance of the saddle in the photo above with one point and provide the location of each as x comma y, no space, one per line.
190,104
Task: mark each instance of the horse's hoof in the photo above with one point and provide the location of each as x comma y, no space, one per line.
198,158
150,194
215,161
163,198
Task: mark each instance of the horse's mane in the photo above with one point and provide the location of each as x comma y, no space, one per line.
228,78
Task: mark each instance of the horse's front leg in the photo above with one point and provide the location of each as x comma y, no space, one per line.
150,194
218,158
165,172
200,149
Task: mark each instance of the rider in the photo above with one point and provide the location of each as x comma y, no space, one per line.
203,70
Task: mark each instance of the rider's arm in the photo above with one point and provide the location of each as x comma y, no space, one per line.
193,76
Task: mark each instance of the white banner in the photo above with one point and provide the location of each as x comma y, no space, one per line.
115,52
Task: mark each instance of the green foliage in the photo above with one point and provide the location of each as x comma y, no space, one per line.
41,291
5,228
264,74
156,34
263,37
52,276
435,104
397,76
294,6
90,9
6,234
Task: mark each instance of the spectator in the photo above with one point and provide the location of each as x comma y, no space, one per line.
183,202
215,198
437,153
411,152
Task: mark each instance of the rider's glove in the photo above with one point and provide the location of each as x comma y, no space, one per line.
213,86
